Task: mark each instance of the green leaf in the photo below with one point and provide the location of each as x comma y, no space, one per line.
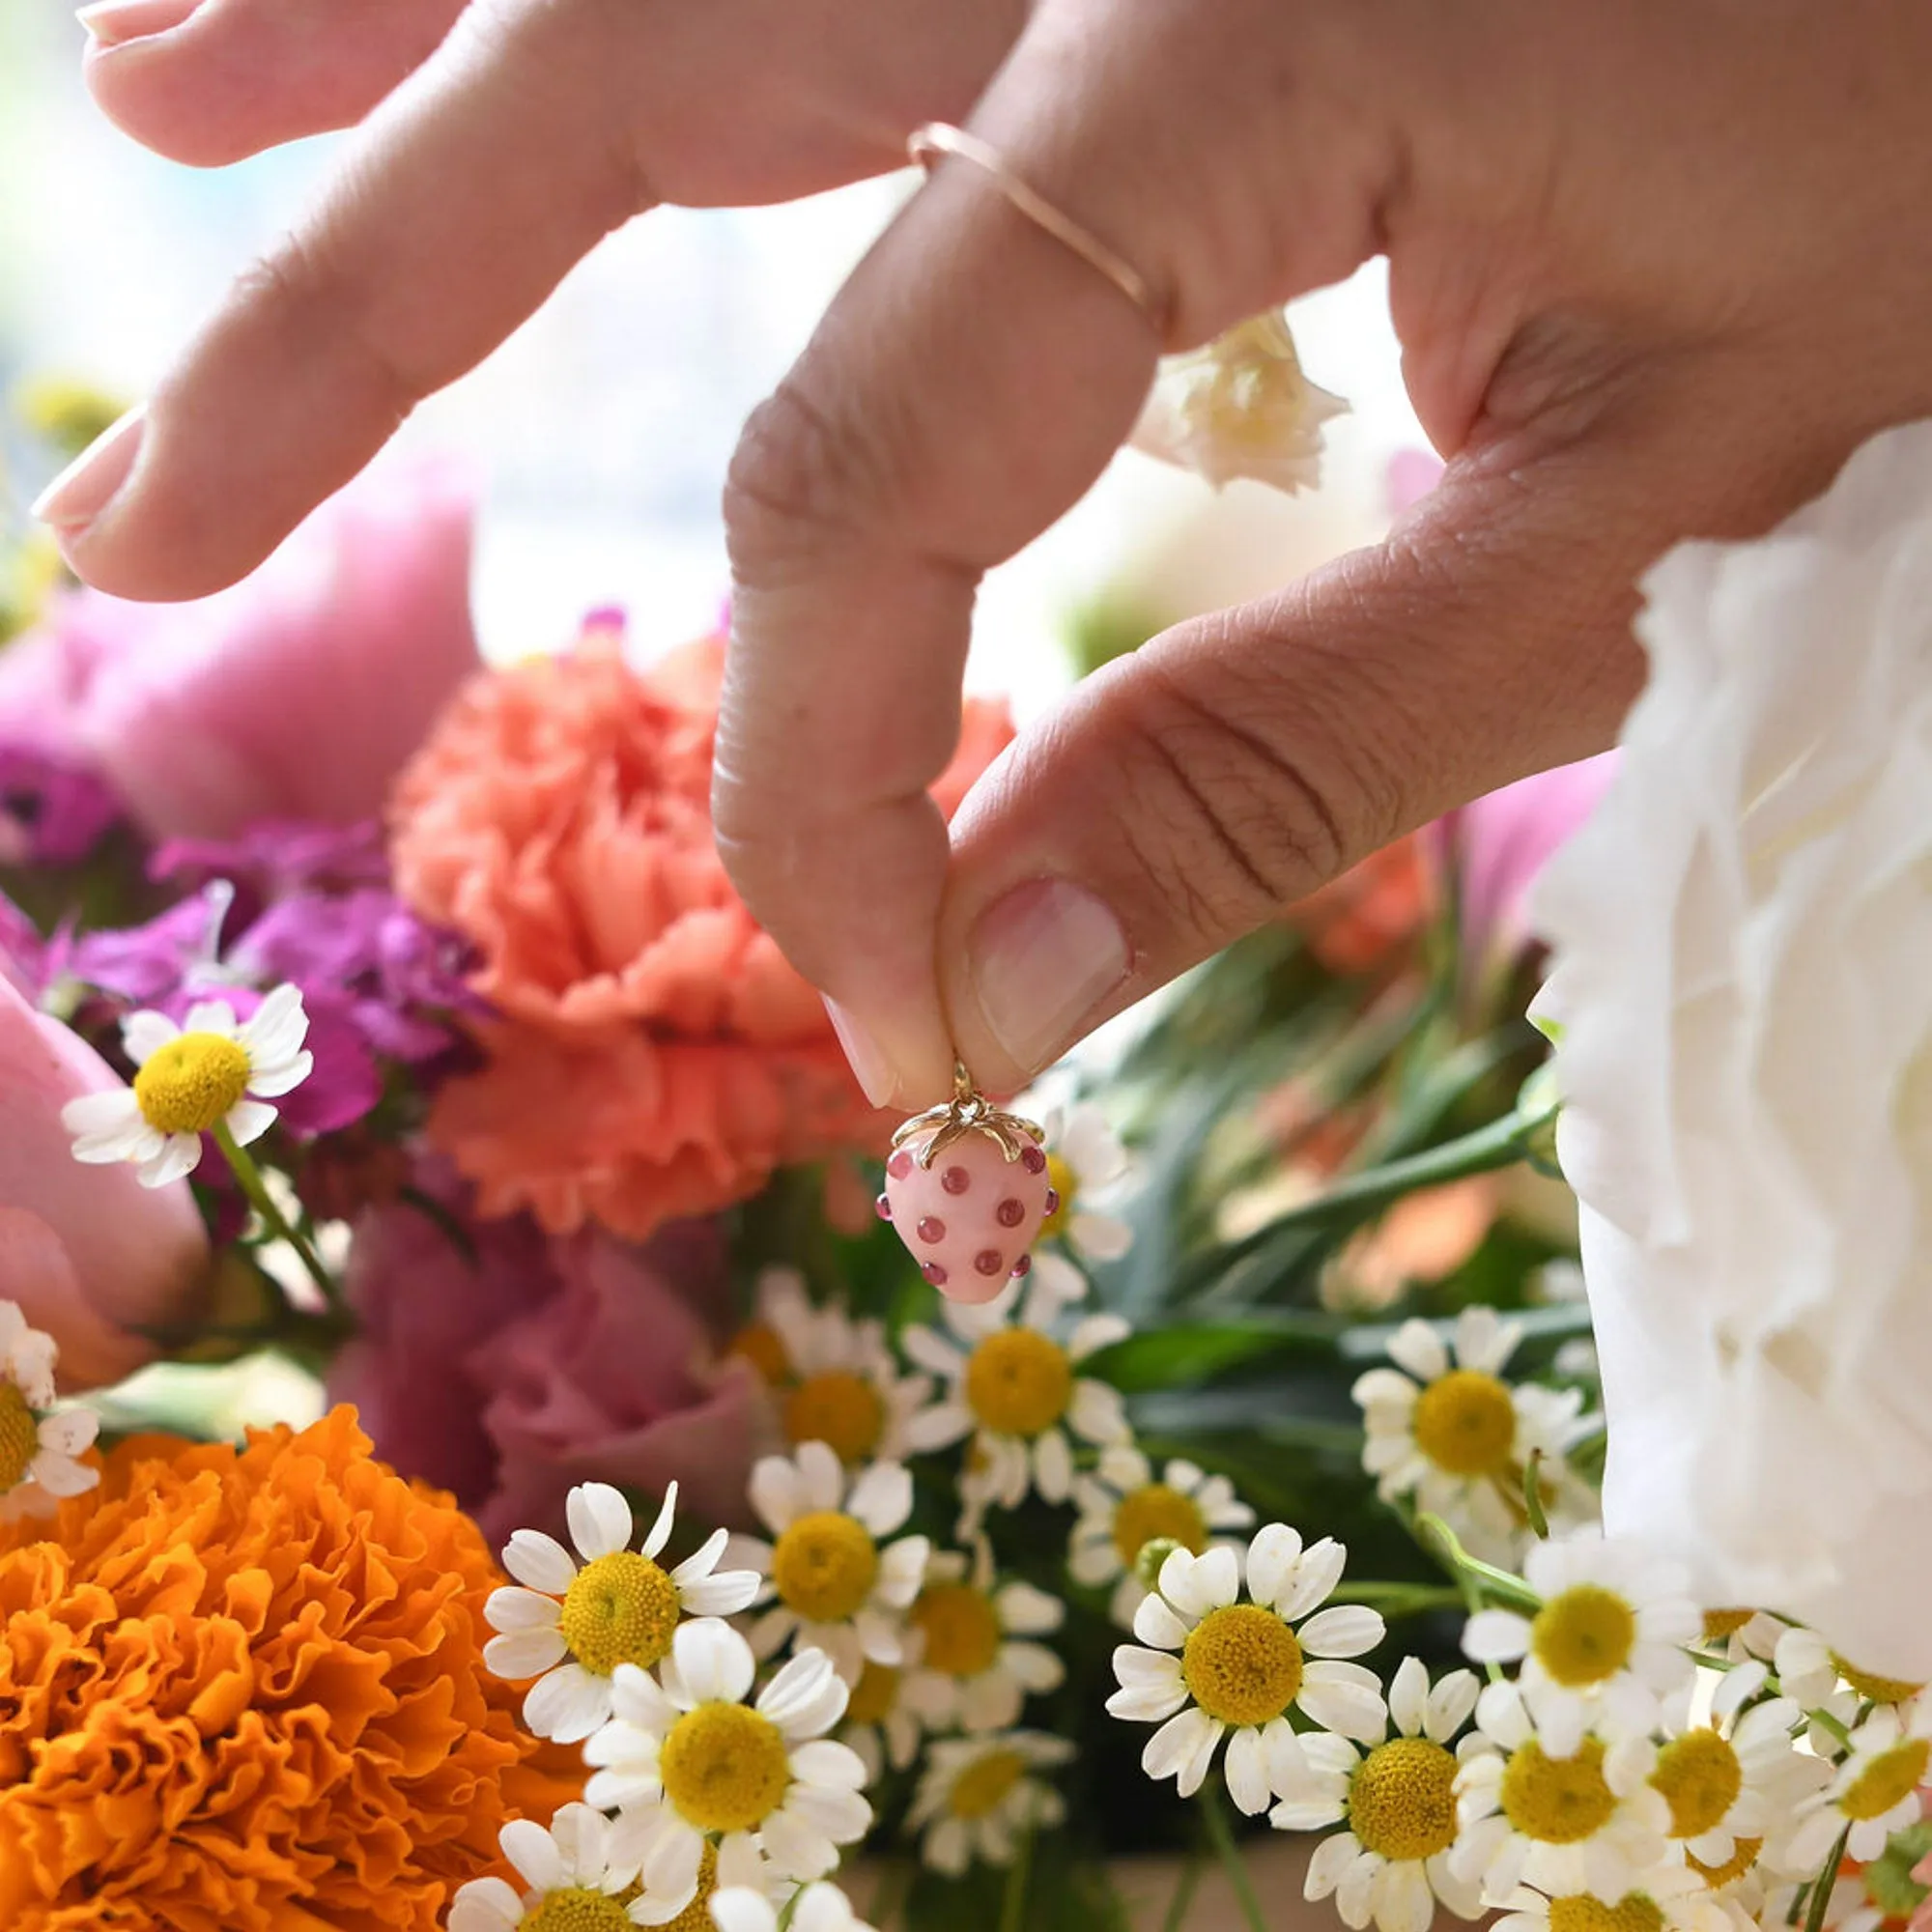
1186,1354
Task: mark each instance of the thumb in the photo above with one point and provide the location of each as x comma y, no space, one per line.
1189,792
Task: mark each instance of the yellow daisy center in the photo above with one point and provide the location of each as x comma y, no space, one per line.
982,1785
838,1408
1583,1634
723,1767
577,1909
1018,1383
962,1631
1157,1511
1700,1777
1241,1664
1890,1777
1402,1799
696,1916
1720,1624
1581,1913
874,1694
1066,1183
825,1566
1878,1690
1464,1422
760,1345
19,1436
188,1086
1557,1801
622,1608
1741,1860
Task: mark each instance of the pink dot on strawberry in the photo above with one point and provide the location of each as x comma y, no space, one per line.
1033,1160
933,1274
955,1180
900,1165
931,1229
1013,1211
1022,1268
884,1207
989,1261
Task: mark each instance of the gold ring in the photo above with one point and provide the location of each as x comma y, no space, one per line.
939,137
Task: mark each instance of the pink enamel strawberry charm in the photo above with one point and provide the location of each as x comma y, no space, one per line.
967,1190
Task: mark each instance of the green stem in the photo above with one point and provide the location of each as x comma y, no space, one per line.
242,1164
1825,1722
1230,1855
1013,1899
1183,1893
1399,1600
1821,1889
1481,1581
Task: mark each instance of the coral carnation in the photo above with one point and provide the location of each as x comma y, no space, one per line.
655,1055
243,1692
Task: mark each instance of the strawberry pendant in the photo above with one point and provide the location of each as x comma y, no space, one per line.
967,1191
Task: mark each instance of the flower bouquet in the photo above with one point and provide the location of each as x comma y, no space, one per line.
632,1533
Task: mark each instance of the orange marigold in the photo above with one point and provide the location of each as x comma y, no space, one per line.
654,1055
244,1691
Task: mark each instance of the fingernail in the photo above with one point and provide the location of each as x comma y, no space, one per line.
1043,959
78,495
871,1067
111,22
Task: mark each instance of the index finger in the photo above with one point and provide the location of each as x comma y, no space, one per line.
968,386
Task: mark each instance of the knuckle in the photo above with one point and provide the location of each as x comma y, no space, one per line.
801,473
302,292
1240,814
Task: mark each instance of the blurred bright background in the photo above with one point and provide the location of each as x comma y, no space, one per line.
602,431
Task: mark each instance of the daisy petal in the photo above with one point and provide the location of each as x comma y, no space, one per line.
599,1520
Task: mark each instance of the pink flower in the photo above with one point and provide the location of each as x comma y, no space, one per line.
550,1361
296,694
1501,843
90,1254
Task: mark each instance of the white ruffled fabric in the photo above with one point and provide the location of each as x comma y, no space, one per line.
1742,981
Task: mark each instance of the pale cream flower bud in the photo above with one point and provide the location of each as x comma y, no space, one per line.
1240,407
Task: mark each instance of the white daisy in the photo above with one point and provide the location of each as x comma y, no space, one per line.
879,1725
685,1759
37,1451
1124,1507
1216,1663
834,1380
571,1628
840,1587
1609,1636
1670,1900
1014,1389
1455,1435
1397,1800
572,1872
210,1071
978,1797
821,1907
970,1652
1084,1158
1872,1794
1810,1671
1731,1780
1586,1818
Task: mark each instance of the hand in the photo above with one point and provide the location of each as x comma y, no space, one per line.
1656,267
513,137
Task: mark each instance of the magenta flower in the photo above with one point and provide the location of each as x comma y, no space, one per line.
53,812
298,693
543,1363
1502,842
